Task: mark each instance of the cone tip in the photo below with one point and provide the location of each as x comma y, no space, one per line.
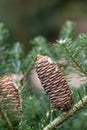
39,56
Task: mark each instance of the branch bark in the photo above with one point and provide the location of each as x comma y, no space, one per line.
64,116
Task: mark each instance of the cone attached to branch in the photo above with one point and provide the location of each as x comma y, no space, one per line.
54,83
9,96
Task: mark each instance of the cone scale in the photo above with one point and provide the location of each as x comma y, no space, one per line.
54,83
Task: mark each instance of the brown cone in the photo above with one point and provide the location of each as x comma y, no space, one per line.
9,94
54,83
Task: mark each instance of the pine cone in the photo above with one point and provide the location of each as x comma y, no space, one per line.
54,83
9,94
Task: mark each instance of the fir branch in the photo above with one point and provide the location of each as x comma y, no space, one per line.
70,53
6,120
32,59
64,116
73,49
68,30
74,60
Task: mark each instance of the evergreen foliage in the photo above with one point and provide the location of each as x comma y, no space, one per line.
37,111
68,30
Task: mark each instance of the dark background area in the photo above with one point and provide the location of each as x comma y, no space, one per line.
29,18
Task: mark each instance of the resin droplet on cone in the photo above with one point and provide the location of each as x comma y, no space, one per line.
54,83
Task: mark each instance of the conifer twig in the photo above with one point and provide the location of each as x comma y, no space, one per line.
6,121
31,64
28,71
74,60
64,116
30,67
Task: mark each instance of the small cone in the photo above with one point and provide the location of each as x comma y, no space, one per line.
54,83
8,91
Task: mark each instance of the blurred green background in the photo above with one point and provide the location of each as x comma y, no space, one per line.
29,18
